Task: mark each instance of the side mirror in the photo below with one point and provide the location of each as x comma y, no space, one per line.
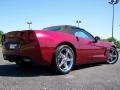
97,38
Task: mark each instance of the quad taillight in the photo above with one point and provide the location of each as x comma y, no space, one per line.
27,36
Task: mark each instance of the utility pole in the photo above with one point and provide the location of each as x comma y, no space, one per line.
78,22
29,23
113,2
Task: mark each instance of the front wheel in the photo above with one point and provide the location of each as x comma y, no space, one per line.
113,56
64,59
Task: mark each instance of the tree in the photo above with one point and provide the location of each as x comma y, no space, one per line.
1,33
114,40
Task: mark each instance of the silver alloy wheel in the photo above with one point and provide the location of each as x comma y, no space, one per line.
113,56
65,59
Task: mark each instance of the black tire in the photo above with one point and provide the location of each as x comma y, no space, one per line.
113,56
68,58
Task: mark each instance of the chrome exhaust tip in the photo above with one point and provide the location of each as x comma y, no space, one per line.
27,60
5,57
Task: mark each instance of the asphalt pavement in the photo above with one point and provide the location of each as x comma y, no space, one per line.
83,77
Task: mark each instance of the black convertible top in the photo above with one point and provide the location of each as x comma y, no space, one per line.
62,28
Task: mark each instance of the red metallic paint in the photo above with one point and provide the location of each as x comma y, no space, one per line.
41,49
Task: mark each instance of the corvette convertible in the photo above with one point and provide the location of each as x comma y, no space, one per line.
60,47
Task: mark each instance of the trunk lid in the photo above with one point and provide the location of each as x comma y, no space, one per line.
16,39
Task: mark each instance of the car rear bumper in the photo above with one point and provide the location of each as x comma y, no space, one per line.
15,58
37,55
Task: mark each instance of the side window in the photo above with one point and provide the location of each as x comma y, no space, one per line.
82,33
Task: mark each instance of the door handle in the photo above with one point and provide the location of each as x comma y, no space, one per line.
77,38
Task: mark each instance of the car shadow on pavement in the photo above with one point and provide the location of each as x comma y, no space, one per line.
78,67
12,70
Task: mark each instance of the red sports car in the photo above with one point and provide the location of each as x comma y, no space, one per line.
60,47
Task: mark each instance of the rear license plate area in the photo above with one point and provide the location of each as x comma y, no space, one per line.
14,45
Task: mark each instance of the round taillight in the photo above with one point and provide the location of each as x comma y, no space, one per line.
31,36
19,36
24,36
27,36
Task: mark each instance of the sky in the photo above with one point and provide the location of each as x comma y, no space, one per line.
96,15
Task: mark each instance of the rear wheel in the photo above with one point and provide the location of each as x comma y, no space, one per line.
113,56
64,59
